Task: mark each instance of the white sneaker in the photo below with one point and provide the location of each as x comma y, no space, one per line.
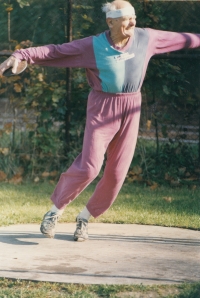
48,225
81,233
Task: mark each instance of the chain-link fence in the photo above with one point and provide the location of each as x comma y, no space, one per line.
170,119
175,118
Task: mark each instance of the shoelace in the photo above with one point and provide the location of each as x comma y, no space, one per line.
50,220
81,224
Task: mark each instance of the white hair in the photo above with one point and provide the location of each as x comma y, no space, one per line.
112,12
106,7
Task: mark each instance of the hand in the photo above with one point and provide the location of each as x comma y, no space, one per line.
10,62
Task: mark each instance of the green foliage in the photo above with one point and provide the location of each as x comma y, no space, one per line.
41,92
42,103
190,292
174,164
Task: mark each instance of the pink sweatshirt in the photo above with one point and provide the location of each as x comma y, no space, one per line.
109,68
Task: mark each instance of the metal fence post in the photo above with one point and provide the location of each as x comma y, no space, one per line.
68,36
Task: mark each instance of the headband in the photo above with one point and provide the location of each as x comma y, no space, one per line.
120,12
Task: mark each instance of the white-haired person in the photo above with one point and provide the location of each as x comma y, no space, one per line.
115,62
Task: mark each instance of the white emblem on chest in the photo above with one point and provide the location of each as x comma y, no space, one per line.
123,57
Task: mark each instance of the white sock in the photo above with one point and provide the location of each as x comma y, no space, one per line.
84,214
56,210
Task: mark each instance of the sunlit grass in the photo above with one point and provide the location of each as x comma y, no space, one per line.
136,204
27,289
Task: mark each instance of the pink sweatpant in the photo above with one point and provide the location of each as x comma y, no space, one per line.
112,128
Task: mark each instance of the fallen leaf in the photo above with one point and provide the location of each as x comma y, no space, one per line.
2,90
12,79
131,173
40,77
17,87
34,104
130,179
148,124
149,183
25,118
26,156
16,179
187,174
136,170
154,186
193,187
167,177
174,183
137,178
31,126
37,179
27,81
45,174
18,47
3,176
167,199
192,178
53,173
4,151
20,171
52,182
182,170
7,127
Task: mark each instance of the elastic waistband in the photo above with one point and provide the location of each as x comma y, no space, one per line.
108,94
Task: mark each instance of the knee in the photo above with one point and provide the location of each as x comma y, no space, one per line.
115,176
91,173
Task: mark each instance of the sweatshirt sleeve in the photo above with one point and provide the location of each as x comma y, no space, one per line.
72,54
167,41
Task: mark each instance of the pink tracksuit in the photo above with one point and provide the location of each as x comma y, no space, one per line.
113,111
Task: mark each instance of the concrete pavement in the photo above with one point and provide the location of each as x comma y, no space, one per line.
114,254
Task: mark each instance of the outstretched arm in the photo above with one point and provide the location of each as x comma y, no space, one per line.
72,54
166,41
64,55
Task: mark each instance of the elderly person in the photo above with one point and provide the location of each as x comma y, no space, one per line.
115,62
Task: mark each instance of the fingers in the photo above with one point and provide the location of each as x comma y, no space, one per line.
10,62
15,65
5,65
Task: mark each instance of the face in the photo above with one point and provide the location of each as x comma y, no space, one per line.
123,26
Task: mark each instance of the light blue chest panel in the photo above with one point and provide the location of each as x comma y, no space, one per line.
121,71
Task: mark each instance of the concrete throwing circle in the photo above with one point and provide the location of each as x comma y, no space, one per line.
114,254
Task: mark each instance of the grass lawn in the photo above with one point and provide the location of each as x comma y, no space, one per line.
27,289
163,206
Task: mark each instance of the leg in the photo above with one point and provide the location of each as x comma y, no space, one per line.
99,131
119,155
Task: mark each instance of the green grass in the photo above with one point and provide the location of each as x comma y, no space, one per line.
28,202
27,289
137,204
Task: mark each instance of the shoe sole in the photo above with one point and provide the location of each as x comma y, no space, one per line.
79,239
47,235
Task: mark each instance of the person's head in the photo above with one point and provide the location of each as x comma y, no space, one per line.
120,17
